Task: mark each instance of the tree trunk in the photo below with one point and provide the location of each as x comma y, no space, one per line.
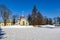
4,22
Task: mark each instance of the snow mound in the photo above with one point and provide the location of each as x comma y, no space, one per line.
48,26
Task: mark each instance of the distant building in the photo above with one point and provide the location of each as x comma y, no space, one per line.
9,23
1,23
22,21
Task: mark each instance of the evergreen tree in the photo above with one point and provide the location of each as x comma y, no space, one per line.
46,21
29,19
58,20
35,18
39,18
14,19
50,21
34,15
34,11
55,20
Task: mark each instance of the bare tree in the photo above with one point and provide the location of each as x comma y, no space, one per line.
14,19
5,13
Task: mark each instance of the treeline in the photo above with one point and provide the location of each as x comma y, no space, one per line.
34,18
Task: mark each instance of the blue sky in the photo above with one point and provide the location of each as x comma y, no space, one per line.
49,8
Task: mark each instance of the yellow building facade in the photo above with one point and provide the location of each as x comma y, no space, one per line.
9,23
22,21
1,23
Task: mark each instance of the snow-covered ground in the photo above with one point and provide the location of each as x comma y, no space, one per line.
30,33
